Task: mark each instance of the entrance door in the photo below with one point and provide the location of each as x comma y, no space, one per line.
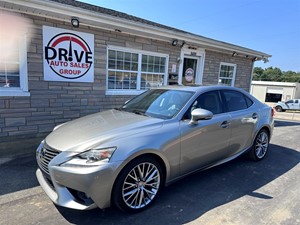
189,70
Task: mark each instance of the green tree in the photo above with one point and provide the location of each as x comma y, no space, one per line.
257,73
275,74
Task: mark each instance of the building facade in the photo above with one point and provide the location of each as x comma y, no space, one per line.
70,59
270,92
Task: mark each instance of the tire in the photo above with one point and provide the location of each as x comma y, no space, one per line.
260,145
279,109
138,185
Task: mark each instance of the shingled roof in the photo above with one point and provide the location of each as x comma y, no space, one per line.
115,13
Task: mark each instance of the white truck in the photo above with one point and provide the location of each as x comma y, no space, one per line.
293,104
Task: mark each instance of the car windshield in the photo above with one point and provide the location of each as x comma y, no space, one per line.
158,103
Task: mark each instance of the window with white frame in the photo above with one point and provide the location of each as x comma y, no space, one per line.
13,69
130,71
227,74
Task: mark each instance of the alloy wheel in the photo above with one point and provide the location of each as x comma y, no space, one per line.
141,185
261,144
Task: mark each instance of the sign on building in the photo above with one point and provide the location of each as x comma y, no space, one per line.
68,55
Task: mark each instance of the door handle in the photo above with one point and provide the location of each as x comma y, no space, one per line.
225,124
254,116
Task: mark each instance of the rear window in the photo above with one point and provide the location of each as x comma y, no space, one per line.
248,101
236,100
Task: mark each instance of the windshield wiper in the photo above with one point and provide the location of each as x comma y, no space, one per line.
135,111
138,112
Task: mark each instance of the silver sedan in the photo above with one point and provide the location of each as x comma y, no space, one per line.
124,156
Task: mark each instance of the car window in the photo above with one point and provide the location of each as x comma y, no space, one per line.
296,101
248,101
235,100
290,101
209,101
158,103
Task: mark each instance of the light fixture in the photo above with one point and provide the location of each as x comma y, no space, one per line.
255,58
192,47
182,44
265,59
75,22
174,42
234,54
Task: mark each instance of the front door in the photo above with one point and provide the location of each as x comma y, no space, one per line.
189,70
208,141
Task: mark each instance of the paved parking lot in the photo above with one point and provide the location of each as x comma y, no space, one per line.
239,192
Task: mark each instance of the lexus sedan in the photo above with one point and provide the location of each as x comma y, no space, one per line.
124,156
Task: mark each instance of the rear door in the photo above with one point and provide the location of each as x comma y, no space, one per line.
243,119
208,141
293,104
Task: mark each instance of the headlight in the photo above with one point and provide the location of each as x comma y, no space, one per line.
93,157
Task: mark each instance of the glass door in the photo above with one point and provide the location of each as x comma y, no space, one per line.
189,70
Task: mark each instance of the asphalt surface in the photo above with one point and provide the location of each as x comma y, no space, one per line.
240,192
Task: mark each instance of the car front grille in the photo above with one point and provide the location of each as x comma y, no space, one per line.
44,157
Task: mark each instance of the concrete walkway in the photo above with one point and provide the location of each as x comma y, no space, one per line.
288,115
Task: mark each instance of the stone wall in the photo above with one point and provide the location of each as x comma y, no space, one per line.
212,69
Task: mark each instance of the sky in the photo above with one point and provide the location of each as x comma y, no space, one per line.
269,26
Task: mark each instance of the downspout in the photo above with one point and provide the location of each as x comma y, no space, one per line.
251,76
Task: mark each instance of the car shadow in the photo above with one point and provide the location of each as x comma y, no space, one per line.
285,123
193,196
17,173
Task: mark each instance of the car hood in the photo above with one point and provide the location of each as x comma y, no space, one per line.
97,128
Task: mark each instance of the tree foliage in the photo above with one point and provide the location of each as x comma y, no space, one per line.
275,74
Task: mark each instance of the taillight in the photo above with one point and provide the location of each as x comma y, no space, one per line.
273,112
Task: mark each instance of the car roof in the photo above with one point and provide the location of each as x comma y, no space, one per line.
199,88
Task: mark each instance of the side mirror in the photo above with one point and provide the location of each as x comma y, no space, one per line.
200,114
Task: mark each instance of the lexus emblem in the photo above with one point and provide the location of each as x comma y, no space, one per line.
42,153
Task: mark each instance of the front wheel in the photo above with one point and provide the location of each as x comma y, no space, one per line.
279,109
260,146
138,185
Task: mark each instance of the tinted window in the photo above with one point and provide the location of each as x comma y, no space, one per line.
296,101
235,100
209,101
248,101
290,101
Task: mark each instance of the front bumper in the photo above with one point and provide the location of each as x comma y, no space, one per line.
77,187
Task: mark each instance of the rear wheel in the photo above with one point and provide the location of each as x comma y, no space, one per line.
260,145
138,185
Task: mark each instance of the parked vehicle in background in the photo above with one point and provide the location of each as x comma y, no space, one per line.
125,156
293,104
